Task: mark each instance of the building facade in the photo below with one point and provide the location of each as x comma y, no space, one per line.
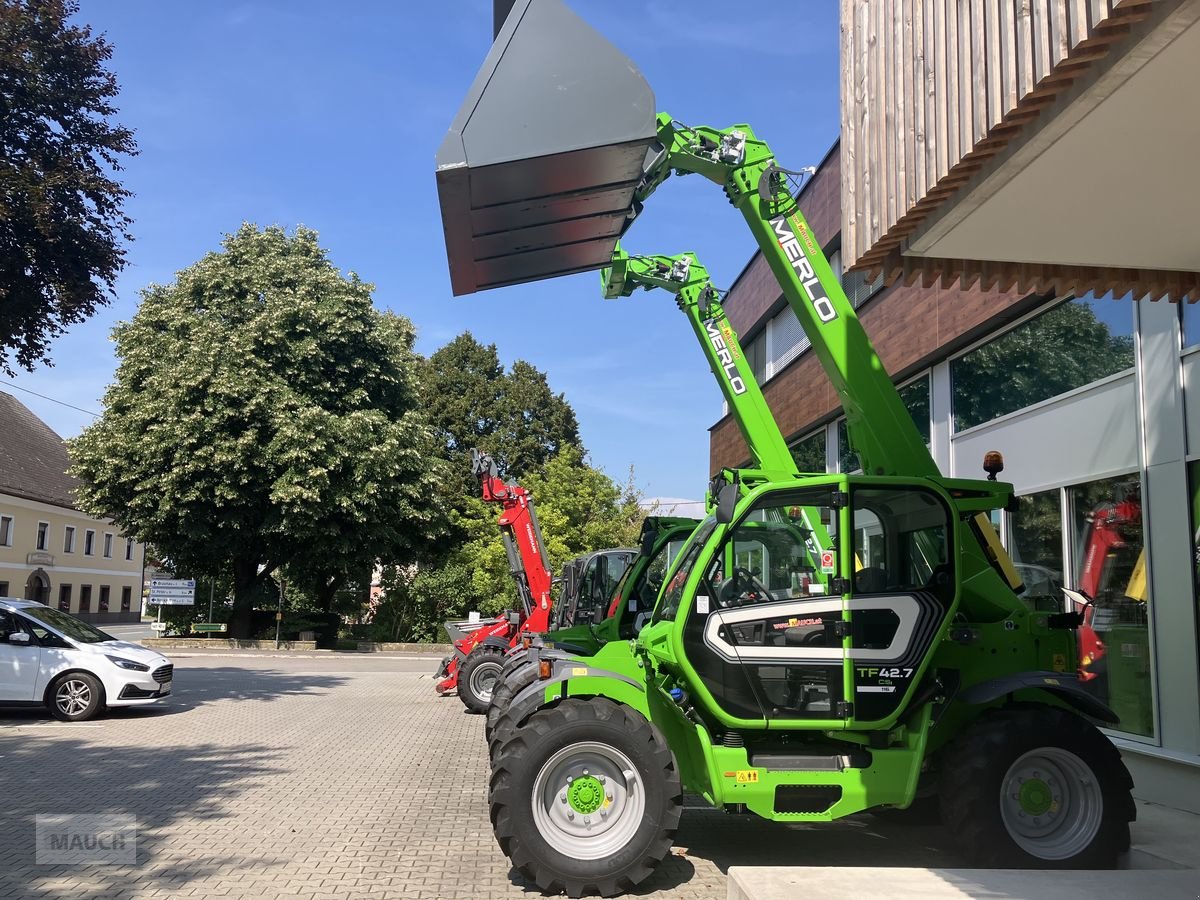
50,551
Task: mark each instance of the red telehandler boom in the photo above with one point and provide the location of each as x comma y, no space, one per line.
479,649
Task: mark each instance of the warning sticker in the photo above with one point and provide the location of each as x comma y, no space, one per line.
579,671
746,776
827,562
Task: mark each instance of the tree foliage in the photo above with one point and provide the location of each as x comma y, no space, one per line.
264,414
1062,349
472,402
62,224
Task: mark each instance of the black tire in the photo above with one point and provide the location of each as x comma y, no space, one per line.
478,675
75,697
976,783
502,699
545,737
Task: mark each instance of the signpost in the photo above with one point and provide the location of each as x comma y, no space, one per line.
173,591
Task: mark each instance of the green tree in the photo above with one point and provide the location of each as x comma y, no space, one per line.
472,402
62,223
264,415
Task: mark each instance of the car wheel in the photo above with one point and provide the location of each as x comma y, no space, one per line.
75,697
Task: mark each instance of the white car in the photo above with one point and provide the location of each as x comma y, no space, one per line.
50,658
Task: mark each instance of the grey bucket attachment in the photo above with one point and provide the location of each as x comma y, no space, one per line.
537,173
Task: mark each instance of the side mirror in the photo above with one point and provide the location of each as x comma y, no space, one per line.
598,615
727,499
19,637
648,539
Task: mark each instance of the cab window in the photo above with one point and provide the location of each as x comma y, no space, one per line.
784,549
901,541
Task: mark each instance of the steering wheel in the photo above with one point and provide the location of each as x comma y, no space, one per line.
742,589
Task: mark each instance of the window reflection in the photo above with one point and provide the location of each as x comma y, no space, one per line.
1064,348
1035,543
1110,568
809,452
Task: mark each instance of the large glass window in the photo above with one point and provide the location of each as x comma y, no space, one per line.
756,356
1035,543
1109,566
847,457
809,452
915,397
1064,348
1190,323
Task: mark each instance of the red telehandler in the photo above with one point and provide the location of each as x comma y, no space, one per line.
479,649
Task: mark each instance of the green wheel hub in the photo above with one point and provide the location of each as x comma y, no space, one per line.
1036,798
585,794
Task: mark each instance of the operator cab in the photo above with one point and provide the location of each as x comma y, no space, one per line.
790,621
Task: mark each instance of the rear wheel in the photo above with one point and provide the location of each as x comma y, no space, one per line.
500,725
477,677
75,697
585,798
1037,787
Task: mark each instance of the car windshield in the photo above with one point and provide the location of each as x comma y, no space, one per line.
69,626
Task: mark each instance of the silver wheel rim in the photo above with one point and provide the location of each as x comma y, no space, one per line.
1051,803
73,697
483,680
569,815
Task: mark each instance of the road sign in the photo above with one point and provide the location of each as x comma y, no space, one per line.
201,627
159,626
172,592
172,601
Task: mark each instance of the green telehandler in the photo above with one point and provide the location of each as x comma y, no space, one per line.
930,676
685,278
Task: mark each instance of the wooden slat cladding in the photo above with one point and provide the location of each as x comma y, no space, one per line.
933,88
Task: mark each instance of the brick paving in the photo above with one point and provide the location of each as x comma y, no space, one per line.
333,776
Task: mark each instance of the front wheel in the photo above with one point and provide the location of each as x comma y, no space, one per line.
585,798
75,697
1037,787
477,677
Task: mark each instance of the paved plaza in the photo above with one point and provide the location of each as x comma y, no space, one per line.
321,775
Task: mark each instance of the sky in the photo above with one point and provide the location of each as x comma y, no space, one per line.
328,115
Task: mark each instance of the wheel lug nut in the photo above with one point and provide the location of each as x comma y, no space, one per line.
587,820
562,798
604,813
569,779
570,815
585,771
608,796
603,780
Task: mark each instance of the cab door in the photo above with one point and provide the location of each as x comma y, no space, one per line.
765,630
902,591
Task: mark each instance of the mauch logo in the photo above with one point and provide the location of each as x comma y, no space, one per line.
92,839
812,285
724,357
